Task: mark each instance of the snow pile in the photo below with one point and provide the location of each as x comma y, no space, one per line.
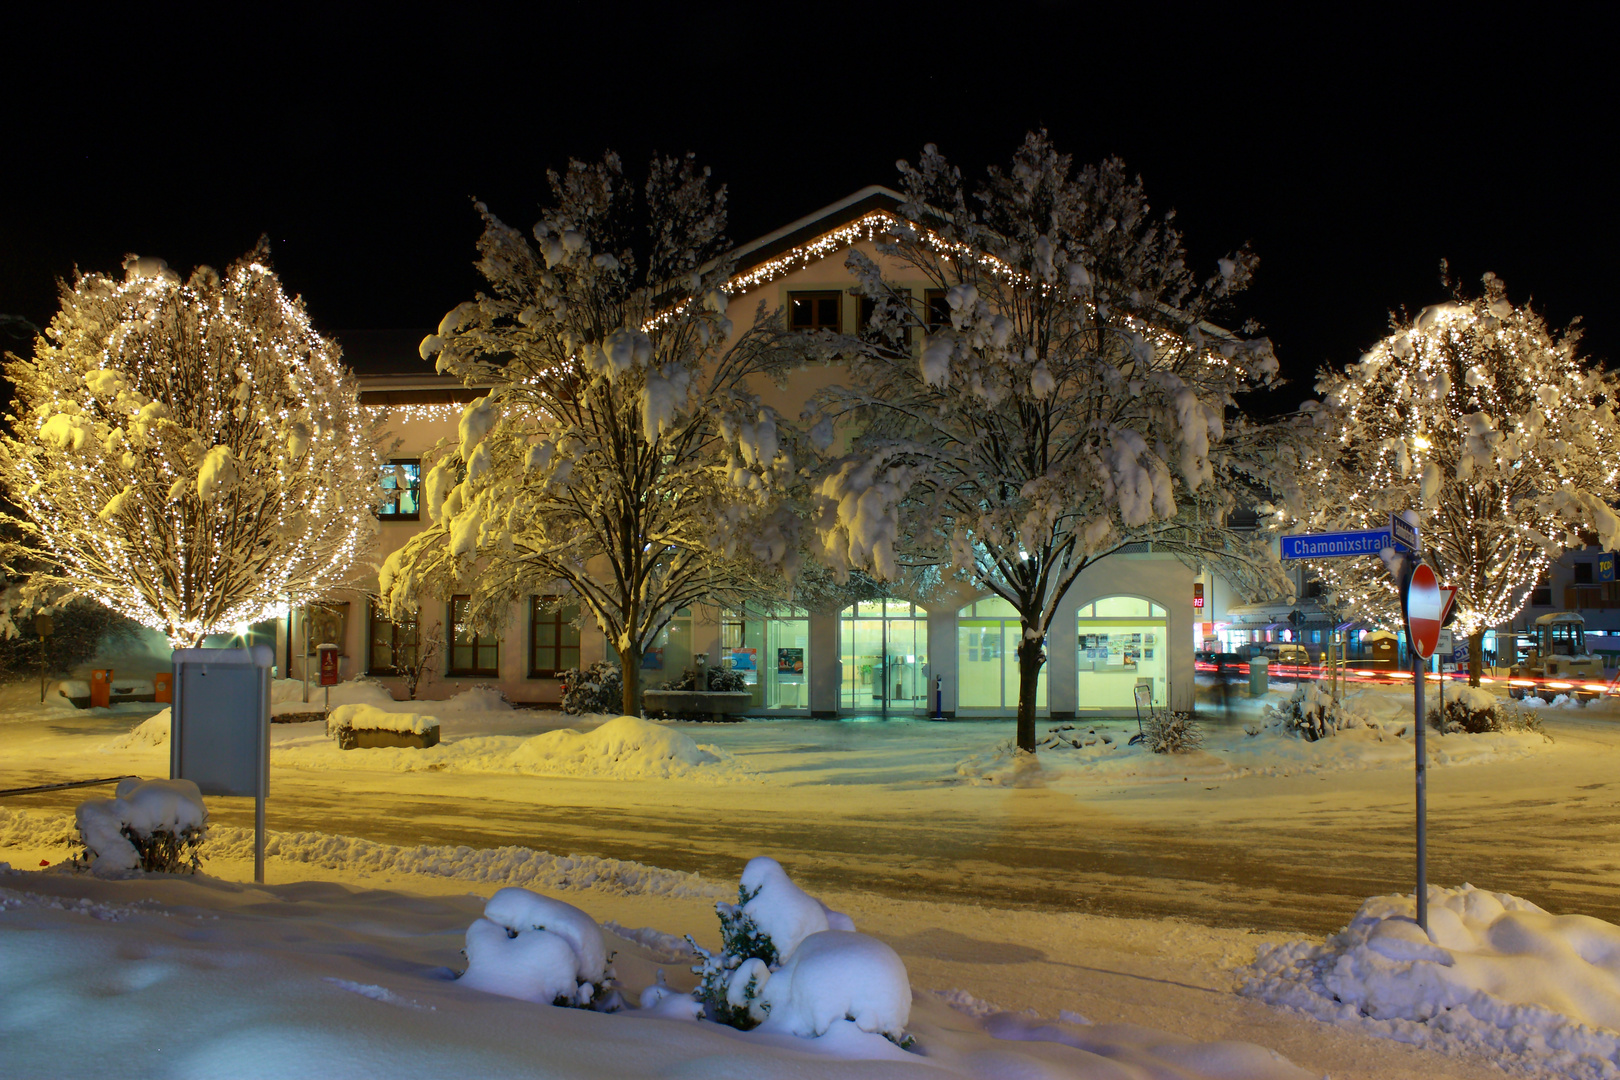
535,948
370,718
149,733
1494,974
627,748
836,975
144,825
790,965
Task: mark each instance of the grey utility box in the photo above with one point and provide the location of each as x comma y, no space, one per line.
219,727
1259,676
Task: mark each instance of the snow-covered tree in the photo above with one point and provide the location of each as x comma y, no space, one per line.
1491,428
1078,400
620,454
193,455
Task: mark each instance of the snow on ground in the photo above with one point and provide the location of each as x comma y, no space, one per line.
1081,752
311,980
1493,974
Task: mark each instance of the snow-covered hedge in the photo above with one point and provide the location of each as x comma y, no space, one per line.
1167,732
152,825
1311,713
789,963
597,689
1472,710
535,948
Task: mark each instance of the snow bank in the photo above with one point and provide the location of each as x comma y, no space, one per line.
1494,974
535,948
143,808
149,733
627,748
837,975
371,718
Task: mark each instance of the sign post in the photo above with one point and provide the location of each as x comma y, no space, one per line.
1424,609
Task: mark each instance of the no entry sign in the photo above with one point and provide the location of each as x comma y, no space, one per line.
1425,608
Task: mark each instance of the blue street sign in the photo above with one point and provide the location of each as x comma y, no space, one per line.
1405,533
1340,545
1459,652
1605,566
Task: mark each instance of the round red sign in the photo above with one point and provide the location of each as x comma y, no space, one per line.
1423,610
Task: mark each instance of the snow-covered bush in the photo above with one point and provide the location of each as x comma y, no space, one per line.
791,963
597,689
721,680
1473,711
1166,732
538,949
79,630
192,454
152,825
1310,713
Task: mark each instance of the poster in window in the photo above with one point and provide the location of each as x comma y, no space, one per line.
790,661
652,660
744,660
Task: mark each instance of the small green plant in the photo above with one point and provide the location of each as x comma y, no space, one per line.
597,689
742,943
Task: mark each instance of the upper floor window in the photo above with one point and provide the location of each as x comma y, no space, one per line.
816,311
553,637
936,310
471,653
402,483
871,334
1583,573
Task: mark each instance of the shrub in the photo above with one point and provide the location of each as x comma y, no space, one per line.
79,630
151,825
721,680
597,689
1311,713
1479,712
1168,732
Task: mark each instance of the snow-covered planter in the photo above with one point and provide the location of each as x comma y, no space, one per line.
597,689
534,948
1166,732
792,964
362,727
154,825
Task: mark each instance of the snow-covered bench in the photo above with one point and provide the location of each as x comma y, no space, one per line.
366,727
78,691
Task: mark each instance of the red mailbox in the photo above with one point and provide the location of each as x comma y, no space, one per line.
329,665
101,688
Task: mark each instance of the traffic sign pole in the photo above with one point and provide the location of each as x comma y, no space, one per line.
1424,604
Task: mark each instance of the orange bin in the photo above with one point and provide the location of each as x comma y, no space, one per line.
101,687
163,686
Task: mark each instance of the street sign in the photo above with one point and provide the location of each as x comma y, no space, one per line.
1340,545
1443,643
1404,532
1448,597
329,665
1460,652
1423,611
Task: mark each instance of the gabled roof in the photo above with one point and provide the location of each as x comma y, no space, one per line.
829,218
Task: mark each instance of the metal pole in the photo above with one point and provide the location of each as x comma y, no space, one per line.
264,775
304,662
42,669
1422,796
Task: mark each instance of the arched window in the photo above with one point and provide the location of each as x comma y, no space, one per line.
1122,643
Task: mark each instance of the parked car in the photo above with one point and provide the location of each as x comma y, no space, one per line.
1288,653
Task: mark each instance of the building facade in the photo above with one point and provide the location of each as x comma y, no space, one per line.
1127,620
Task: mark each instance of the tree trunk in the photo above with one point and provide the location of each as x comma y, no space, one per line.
1476,656
630,668
1030,658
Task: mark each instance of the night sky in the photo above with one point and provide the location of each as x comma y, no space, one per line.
1352,154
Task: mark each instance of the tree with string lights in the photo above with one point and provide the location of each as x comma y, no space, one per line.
621,455
190,454
1488,425
1073,400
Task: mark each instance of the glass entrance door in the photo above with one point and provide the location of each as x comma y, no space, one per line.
884,648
